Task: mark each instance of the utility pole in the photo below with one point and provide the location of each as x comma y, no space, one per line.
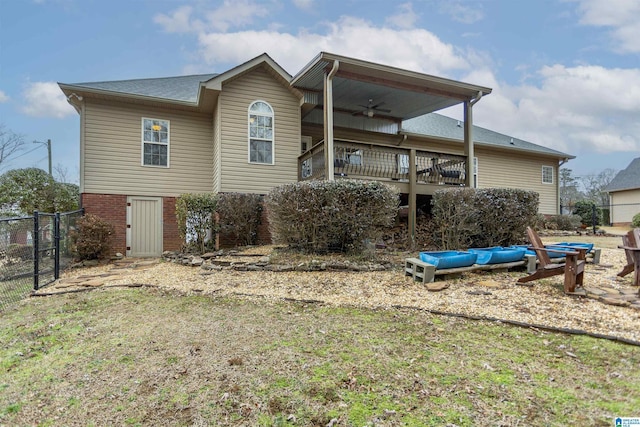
49,151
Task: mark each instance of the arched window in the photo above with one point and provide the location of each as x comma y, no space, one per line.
260,133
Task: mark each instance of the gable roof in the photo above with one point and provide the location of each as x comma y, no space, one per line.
181,88
627,179
217,80
440,126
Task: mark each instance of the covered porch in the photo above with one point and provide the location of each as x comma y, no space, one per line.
346,93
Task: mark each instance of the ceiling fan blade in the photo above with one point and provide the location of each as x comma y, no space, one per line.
383,110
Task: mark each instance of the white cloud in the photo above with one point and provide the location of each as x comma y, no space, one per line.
303,4
619,15
572,109
405,17
414,49
461,12
179,21
3,97
45,99
231,14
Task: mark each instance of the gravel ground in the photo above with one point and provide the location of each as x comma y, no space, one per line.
491,295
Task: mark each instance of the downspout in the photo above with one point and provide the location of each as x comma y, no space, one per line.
468,139
328,120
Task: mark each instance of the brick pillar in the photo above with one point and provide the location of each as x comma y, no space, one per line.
170,235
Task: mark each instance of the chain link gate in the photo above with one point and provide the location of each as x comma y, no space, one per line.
33,250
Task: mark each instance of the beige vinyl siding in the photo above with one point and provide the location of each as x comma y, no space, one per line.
515,170
216,150
625,204
237,174
112,151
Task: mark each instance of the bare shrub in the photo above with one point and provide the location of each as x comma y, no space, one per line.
92,239
320,216
240,216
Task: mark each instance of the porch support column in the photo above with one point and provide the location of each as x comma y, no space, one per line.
328,121
468,140
468,145
413,205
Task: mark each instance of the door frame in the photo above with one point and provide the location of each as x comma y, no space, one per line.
159,224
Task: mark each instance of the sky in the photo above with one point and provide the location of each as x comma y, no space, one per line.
565,73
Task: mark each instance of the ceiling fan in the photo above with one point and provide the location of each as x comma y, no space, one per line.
370,109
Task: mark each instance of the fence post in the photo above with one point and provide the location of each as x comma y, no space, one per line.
36,249
593,217
56,244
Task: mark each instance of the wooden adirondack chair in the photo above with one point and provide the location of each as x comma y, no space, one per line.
572,268
631,246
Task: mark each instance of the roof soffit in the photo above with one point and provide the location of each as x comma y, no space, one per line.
406,93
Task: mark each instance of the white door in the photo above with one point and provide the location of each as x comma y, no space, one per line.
144,226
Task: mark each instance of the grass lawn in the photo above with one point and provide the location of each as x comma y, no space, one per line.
148,357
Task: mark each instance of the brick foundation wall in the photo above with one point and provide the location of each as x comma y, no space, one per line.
170,235
113,209
264,236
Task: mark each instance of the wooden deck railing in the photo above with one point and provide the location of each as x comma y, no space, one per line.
382,163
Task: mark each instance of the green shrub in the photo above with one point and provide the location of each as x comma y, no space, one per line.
563,222
240,216
19,251
635,222
584,209
92,239
466,217
194,214
320,216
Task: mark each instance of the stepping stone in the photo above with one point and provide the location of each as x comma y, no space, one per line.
629,292
616,302
436,287
488,283
596,291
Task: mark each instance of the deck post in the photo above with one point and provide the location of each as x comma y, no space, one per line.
328,121
413,178
468,145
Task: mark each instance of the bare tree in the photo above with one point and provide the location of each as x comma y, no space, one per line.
569,193
10,144
595,184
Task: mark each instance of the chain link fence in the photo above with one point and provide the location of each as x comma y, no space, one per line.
33,250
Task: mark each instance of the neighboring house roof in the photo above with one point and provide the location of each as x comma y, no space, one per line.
440,126
627,179
181,88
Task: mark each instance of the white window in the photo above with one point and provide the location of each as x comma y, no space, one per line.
547,174
155,142
260,133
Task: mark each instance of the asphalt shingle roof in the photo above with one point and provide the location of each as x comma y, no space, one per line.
181,88
437,125
627,179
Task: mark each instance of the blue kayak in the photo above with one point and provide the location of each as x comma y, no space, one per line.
589,246
498,255
449,259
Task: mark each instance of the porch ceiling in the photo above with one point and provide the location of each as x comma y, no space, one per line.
406,93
